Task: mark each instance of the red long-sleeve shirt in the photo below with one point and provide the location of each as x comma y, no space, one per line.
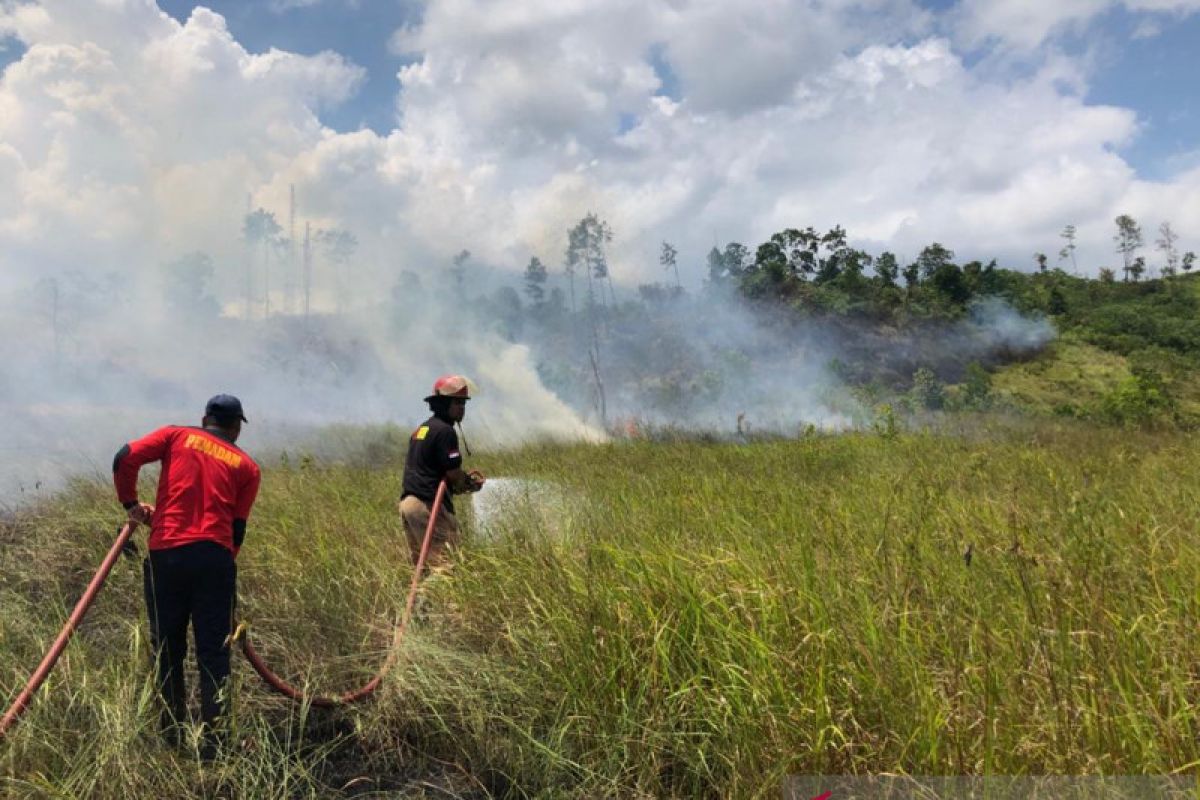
206,483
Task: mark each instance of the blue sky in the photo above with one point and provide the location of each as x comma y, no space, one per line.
1159,77
358,31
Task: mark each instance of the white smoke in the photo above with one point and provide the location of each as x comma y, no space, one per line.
1003,328
129,140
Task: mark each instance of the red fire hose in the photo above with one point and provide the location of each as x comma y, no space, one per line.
23,700
43,669
283,687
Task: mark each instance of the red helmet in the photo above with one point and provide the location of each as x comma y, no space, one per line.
451,386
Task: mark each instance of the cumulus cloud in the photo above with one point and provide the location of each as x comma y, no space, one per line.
127,132
900,143
1026,24
137,135
128,139
741,56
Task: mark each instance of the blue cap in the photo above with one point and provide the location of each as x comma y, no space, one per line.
225,407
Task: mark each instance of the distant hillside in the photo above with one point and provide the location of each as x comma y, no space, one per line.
1128,352
797,322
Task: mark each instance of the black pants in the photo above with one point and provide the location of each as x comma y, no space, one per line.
197,583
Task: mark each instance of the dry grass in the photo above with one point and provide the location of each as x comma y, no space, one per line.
698,619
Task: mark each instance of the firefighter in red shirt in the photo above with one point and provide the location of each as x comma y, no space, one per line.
197,525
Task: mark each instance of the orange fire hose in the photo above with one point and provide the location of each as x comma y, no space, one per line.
43,669
283,687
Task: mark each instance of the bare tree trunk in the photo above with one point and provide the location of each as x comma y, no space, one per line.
266,279
591,294
339,286
307,269
592,354
249,287
54,316
289,279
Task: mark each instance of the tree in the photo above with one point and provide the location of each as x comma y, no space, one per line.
600,260
260,231
668,258
1166,244
1057,303
1128,240
736,256
977,388
507,317
339,246
769,273
973,275
575,259
76,302
1137,268
933,257
948,281
853,262
1189,260
658,294
781,263
1068,250
187,287
927,391
408,292
838,254
728,265
912,274
1108,275
535,281
458,269
717,274
1040,258
47,295
585,250
801,249
887,269
989,280
308,261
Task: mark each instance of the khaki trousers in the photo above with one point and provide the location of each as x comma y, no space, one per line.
446,534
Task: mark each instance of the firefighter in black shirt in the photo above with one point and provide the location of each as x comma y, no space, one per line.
433,457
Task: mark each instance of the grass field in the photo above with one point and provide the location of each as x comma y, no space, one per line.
1069,373
1073,378
671,618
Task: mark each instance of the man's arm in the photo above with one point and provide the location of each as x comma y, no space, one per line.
126,464
457,479
247,494
462,481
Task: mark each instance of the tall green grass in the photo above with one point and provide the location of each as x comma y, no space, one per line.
673,619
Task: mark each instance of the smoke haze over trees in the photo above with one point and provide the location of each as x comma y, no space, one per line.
800,329
176,218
